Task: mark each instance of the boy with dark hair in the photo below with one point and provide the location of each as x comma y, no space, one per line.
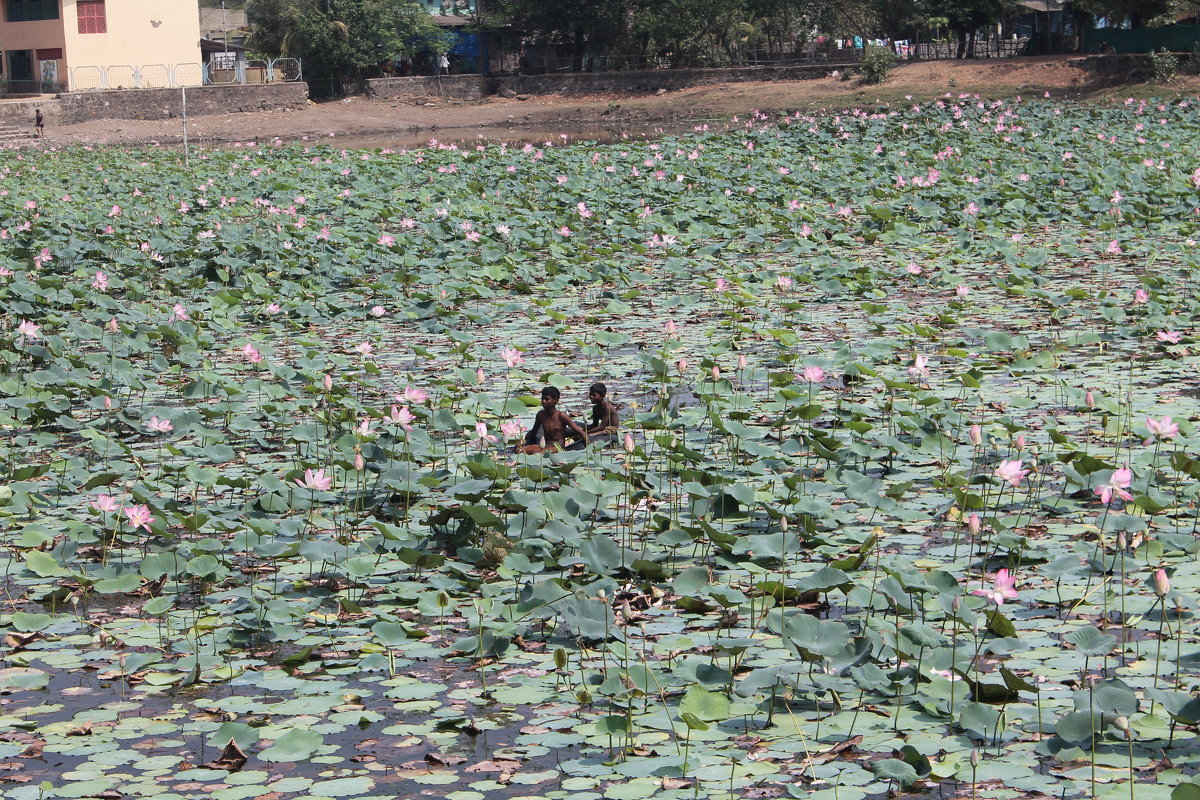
604,418
550,426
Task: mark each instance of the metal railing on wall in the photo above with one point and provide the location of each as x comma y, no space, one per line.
172,76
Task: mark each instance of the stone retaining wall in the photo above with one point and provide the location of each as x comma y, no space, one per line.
652,80
165,103
421,89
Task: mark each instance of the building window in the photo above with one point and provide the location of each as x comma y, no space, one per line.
91,16
30,10
49,54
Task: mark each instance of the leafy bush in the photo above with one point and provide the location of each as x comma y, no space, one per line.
877,63
1164,66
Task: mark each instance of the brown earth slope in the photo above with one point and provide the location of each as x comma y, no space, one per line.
357,121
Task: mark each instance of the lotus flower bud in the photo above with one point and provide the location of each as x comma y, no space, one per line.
1122,724
107,403
974,758
681,365
741,360
113,327
1089,399
1020,441
479,375
327,382
956,603
716,373
443,599
783,524
974,524
359,463
1162,584
629,446
1122,542
976,434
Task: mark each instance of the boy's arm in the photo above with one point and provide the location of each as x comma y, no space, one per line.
573,425
613,421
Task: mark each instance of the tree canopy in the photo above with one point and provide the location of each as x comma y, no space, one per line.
342,39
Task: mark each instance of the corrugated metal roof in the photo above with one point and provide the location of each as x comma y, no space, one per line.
1044,5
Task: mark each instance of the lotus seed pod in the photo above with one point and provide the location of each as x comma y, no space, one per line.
974,758
560,658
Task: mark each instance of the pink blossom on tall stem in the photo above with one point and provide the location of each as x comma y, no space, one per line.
138,517
179,313
974,524
156,425
273,309
962,290
919,368
1011,472
29,330
1162,584
1003,588
971,209
629,444
511,429
682,365
716,373
670,327
512,357
479,376
813,374
100,282
386,240
975,433
783,283
316,480
1020,442
412,394
251,354
1089,399
401,416
1114,248
482,437
1161,429
327,382
1140,296
1168,337
721,285
377,311
1117,484
105,503
364,348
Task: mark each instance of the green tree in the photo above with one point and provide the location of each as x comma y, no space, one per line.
1137,13
340,40
968,16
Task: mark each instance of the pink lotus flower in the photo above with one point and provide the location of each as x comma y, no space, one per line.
975,433
1089,399
813,374
971,209
670,327
974,524
1117,484
138,517
1164,428
401,416
1168,337
1162,584
682,365
919,368
721,285
962,291
364,427
564,232
105,503
783,283
29,330
413,395
273,309
251,354
386,240
628,444
913,269
178,313
1011,472
482,437
100,282
1003,588
1140,296
364,349
512,357
157,425
1114,248
377,311
327,382
316,480
511,429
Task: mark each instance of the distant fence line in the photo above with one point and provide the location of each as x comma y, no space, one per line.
171,76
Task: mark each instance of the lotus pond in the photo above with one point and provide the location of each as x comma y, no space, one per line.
904,500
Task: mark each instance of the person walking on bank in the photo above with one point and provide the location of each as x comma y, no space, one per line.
39,124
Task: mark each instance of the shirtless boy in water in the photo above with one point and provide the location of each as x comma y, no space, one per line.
550,426
604,419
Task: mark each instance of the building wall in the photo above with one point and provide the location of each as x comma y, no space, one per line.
168,103
38,35
140,33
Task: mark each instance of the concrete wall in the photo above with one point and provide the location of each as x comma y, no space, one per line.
163,103
476,87
652,80
140,33
424,88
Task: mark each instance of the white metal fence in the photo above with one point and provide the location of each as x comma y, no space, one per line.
165,76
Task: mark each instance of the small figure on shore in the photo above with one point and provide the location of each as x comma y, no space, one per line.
39,124
603,428
550,426
444,65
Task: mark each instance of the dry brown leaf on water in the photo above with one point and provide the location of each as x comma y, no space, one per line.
495,766
444,759
232,758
